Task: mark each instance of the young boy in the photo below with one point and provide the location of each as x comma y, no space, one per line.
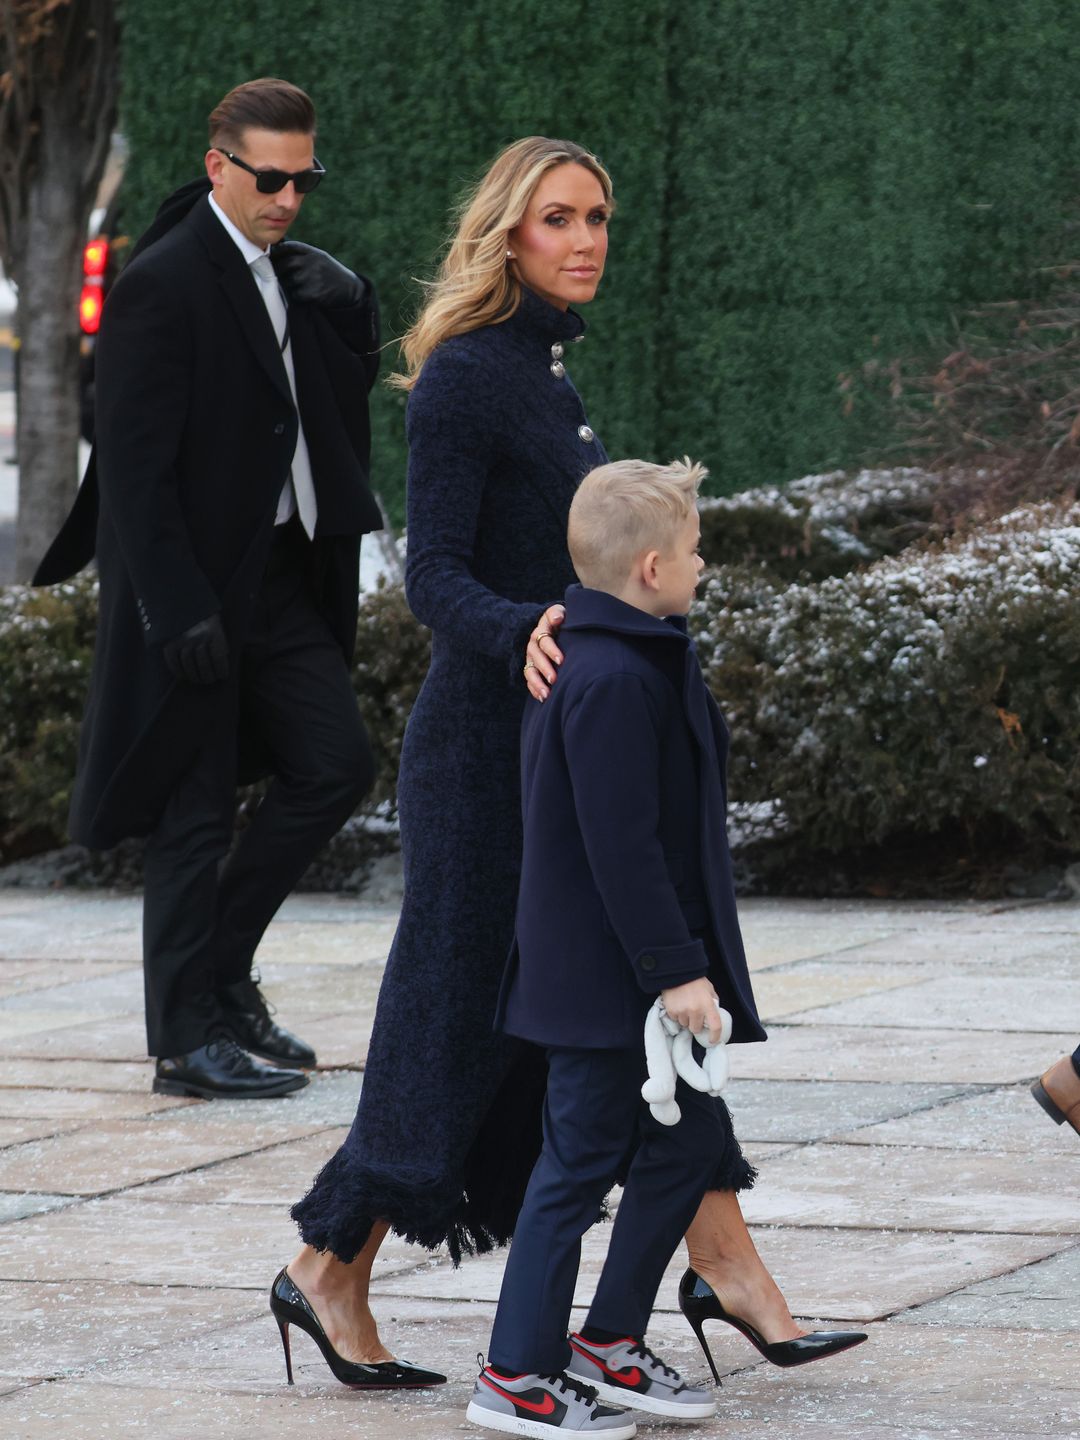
626,894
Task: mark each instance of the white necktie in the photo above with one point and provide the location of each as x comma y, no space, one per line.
298,492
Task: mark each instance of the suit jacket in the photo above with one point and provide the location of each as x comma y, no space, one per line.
196,428
626,880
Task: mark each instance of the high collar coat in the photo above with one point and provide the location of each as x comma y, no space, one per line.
196,427
626,880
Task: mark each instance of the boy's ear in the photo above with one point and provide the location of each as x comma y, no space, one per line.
650,569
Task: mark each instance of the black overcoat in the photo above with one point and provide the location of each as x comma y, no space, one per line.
625,868
196,427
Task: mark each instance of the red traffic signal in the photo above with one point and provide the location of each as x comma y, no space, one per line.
90,302
95,263
95,257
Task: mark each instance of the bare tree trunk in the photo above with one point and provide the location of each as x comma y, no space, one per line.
47,423
58,94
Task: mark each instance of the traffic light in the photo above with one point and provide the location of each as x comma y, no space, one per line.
92,298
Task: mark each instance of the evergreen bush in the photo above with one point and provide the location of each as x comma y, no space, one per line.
46,644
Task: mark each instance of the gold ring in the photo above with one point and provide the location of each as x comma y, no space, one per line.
526,668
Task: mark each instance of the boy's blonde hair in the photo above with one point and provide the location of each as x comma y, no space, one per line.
625,508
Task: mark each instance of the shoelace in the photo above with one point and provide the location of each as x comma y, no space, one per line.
568,1382
269,1011
645,1353
228,1049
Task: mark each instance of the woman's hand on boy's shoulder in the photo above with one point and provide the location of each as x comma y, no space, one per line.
542,654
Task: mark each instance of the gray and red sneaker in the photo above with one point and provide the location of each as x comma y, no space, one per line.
543,1406
627,1372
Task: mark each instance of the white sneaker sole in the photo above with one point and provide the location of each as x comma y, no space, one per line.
651,1405
514,1425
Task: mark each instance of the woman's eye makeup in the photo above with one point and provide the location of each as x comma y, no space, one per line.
595,217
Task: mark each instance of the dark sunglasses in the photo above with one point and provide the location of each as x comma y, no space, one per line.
269,182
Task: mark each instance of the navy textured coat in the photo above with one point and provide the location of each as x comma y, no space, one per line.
441,1146
626,870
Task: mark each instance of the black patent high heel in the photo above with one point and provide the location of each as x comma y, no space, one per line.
289,1306
699,1302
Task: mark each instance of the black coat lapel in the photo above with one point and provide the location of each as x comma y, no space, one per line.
242,293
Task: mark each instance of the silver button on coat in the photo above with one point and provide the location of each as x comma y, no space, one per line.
558,369
585,433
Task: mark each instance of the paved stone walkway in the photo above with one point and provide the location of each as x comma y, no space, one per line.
908,1182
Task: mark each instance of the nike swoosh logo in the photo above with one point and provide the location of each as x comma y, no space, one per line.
542,1407
625,1377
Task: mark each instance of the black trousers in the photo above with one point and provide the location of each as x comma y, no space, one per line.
592,1112
202,920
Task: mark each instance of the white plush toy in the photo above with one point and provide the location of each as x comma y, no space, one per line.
669,1053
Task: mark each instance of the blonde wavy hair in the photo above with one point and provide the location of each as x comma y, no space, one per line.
474,285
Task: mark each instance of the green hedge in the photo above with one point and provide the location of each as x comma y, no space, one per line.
801,187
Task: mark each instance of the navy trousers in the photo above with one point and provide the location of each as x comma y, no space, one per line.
593,1114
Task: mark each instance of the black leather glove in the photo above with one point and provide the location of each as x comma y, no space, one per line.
312,277
201,654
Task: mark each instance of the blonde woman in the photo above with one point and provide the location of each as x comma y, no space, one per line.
448,1125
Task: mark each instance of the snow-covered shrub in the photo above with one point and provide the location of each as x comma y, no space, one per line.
915,695
929,690
827,524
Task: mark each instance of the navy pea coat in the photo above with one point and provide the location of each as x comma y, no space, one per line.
626,881
196,426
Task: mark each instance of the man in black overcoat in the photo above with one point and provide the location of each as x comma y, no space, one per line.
225,501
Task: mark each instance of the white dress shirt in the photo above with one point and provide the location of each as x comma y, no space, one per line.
300,482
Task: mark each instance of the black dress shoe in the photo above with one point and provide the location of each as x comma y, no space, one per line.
221,1069
699,1302
249,1018
290,1306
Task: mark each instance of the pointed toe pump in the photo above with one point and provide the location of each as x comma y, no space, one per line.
699,1302
290,1306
